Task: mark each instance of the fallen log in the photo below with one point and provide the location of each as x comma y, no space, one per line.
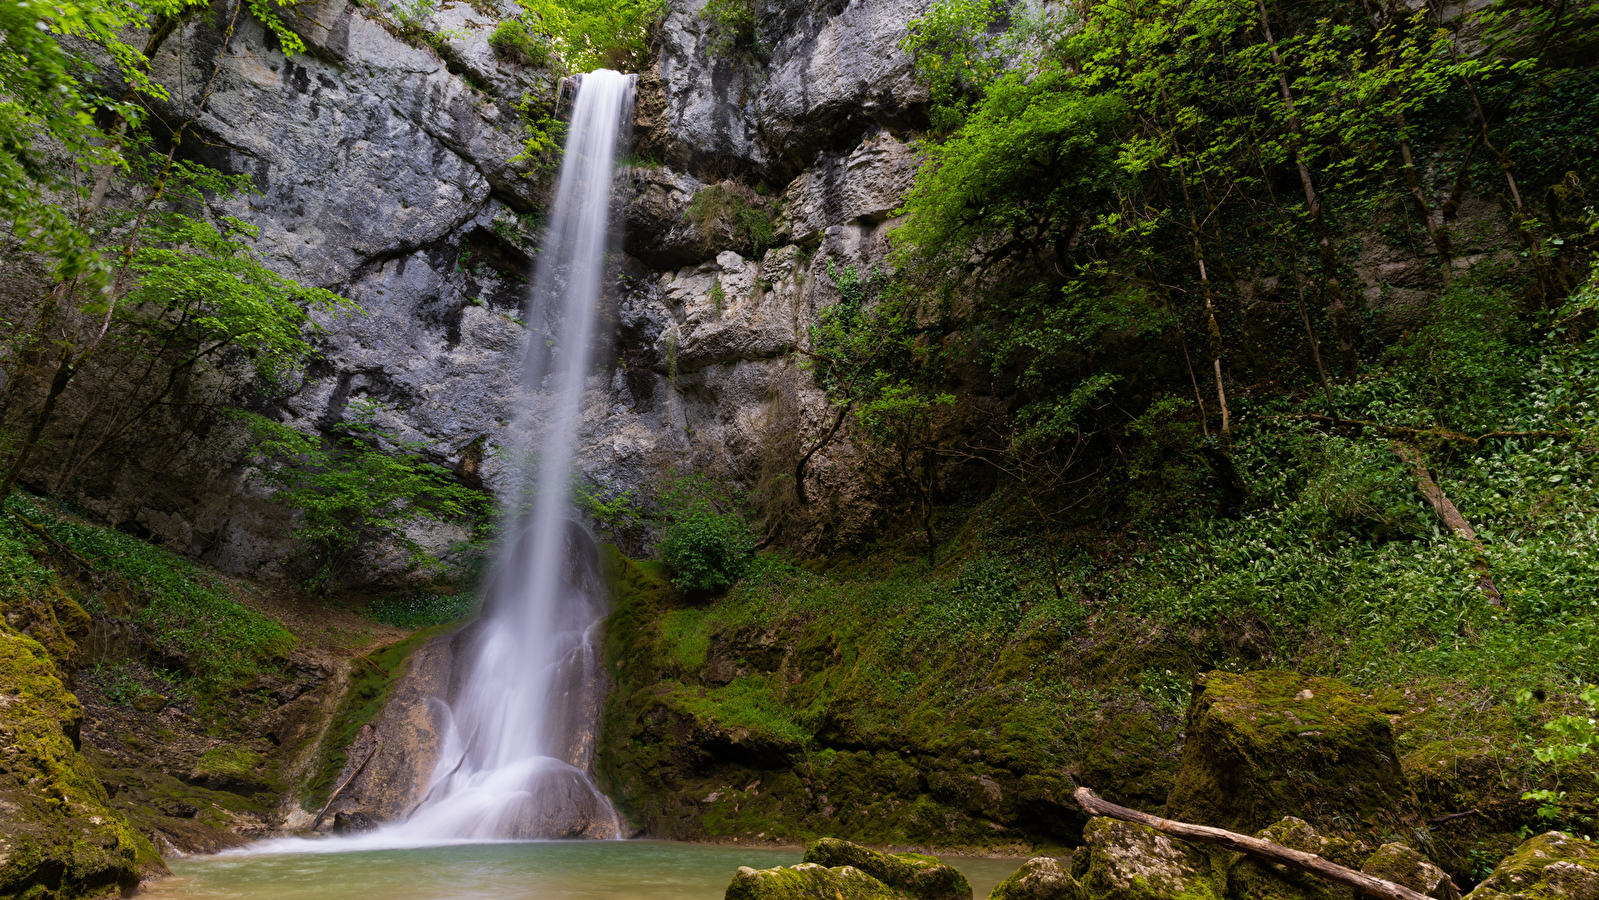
1450,514
1241,843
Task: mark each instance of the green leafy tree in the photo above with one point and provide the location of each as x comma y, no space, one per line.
360,486
584,35
56,171
904,427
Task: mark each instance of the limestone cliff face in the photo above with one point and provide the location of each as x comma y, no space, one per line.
386,173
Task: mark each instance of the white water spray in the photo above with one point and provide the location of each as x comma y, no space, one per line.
518,729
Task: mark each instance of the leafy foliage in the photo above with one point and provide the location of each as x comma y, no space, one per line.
733,22
706,544
222,643
514,40
352,490
584,35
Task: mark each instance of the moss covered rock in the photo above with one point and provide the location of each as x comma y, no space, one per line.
1551,866
59,836
1253,879
919,876
1041,878
1265,745
808,881
1403,865
1131,862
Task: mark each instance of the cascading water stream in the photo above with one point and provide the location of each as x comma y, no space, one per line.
517,733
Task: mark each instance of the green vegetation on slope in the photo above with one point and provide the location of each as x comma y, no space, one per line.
218,643
869,698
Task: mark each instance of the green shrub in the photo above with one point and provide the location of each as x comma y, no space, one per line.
707,551
720,206
517,42
592,34
732,26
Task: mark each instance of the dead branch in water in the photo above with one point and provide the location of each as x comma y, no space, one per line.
340,789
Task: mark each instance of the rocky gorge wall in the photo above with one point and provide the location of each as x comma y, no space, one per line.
388,171
390,166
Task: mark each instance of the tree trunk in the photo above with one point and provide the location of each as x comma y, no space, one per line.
1331,286
64,372
823,441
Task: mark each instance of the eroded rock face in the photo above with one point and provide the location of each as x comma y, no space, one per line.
860,187
391,761
1271,744
387,173
1551,866
835,74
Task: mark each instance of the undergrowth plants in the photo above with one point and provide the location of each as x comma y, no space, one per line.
220,643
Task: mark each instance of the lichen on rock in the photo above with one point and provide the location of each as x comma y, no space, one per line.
1551,866
1132,862
1040,878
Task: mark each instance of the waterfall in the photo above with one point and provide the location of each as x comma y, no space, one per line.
518,728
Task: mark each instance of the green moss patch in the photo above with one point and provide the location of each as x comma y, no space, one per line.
915,874
808,881
59,836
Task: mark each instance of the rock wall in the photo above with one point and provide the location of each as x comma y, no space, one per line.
386,173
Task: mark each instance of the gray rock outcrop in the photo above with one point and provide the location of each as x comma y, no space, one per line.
1131,862
389,170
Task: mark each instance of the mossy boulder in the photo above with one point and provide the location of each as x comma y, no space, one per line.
1265,745
59,836
1131,862
919,876
1403,865
808,881
1551,866
1484,777
1297,834
1041,878
1253,879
